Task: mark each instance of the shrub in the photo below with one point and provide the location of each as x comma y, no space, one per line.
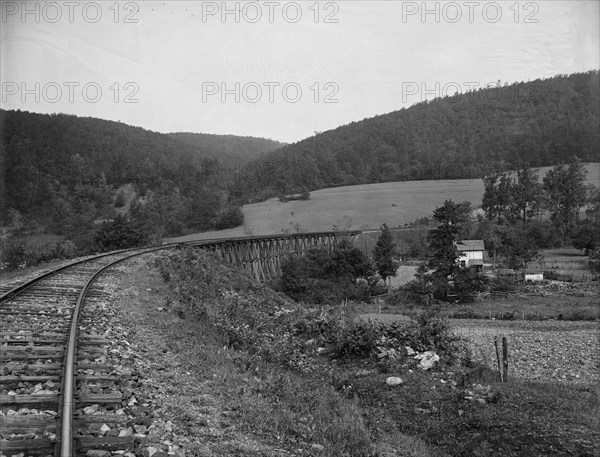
119,234
551,275
120,199
327,276
433,331
468,282
258,320
230,218
595,260
13,254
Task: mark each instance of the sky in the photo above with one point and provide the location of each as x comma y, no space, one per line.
277,69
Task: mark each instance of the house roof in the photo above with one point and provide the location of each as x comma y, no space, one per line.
470,245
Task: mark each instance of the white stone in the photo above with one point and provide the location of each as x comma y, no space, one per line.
428,359
393,381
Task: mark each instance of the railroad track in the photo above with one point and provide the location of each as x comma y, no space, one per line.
59,390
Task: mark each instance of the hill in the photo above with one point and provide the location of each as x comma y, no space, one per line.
365,206
63,174
230,148
42,156
539,123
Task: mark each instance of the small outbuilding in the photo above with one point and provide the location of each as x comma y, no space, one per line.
534,277
471,253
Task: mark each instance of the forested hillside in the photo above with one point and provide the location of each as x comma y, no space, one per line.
61,174
228,148
543,122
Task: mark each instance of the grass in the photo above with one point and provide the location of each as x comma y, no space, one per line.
518,418
359,207
345,408
560,307
231,403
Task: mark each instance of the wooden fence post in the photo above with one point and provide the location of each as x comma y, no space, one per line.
498,359
504,359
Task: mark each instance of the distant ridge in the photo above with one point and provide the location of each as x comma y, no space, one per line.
539,123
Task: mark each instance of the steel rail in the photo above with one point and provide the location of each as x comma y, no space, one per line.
26,285
208,242
65,425
68,379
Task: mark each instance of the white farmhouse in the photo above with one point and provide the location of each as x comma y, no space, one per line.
471,253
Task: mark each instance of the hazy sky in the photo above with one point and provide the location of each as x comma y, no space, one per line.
268,69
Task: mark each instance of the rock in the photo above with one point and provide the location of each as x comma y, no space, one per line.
140,428
393,381
97,453
363,372
428,359
317,447
149,451
105,428
409,350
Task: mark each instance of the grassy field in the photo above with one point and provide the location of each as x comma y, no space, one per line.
514,307
359,207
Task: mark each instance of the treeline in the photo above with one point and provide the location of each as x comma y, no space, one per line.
44,156
60,175
469,135
523,213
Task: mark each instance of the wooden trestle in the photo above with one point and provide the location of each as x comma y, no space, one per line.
262,256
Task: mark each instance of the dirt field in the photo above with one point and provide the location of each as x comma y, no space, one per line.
538,350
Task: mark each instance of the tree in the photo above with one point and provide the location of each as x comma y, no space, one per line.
497,196
525,193
383,254
327,276
518,248
585,237
566,193
445,253
468,282
490,233
593,204
119,234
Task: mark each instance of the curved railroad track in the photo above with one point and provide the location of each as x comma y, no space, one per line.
59,394
60,386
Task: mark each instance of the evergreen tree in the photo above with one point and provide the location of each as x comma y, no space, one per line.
383,254
445,253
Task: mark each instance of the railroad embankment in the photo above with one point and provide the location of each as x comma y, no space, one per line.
237,369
